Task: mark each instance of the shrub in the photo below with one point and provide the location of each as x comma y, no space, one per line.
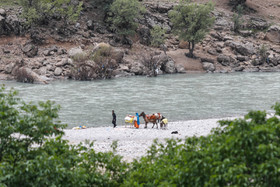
94,65
125,13
40,11
158,36
237,19
33,153
263,52
241,152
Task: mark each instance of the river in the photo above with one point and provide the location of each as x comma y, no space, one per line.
178,97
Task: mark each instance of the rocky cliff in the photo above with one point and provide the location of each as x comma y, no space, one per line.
48,52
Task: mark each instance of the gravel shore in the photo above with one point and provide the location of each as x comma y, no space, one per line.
134,143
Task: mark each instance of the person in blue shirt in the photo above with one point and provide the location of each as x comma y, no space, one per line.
137,121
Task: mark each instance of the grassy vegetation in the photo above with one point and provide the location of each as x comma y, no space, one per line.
8,3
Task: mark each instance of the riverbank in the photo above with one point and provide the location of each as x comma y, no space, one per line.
134,143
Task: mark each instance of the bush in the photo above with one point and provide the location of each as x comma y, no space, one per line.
263,52
237,19
32,152
158,36
95,65
242,152
125,13
41,11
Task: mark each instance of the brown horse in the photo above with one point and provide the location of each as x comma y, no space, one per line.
153,118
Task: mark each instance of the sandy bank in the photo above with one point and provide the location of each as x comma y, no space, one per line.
133,143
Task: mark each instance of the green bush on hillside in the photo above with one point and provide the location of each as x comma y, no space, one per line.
157,36
125,13
41,11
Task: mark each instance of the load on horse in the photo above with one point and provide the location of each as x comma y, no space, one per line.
132,120
153,118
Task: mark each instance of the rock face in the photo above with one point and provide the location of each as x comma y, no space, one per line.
30,50
273,34
44,51
209,67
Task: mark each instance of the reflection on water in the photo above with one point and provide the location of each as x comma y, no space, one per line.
178,97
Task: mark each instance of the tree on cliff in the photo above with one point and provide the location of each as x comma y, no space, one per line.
191,22
41,11
125,13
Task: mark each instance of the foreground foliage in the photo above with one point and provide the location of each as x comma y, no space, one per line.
241,152
33,153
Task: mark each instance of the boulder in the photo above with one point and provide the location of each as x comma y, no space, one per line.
138,69
30,50
2,12
206,59
273,34
61,63
183,44
243,49
145,35
212,51
224,60
179,68
37,36
75,51
258,23
90,25
9,68
169,67
209,67
30,76
242,58
57,71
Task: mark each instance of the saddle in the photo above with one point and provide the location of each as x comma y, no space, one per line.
151,117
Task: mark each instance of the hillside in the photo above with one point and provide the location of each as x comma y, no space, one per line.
47,52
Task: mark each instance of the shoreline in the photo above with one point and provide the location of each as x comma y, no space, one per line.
134,143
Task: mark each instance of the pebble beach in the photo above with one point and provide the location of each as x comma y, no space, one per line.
134,143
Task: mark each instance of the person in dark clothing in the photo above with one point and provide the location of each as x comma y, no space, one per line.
114,118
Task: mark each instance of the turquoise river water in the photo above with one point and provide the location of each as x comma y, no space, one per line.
178,97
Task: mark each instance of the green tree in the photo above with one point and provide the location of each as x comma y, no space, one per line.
191,22
237,18
240,152
125,13
157,36
38,11
33,153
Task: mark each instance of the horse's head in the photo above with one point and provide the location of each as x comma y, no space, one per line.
142,114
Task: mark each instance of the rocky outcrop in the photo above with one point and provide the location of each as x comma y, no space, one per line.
273,34
30,49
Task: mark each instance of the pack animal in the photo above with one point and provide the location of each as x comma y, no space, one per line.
153,118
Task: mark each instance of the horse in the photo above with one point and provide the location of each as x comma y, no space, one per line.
129,120
153,118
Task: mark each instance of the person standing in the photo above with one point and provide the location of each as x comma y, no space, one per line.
114,118
137,121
